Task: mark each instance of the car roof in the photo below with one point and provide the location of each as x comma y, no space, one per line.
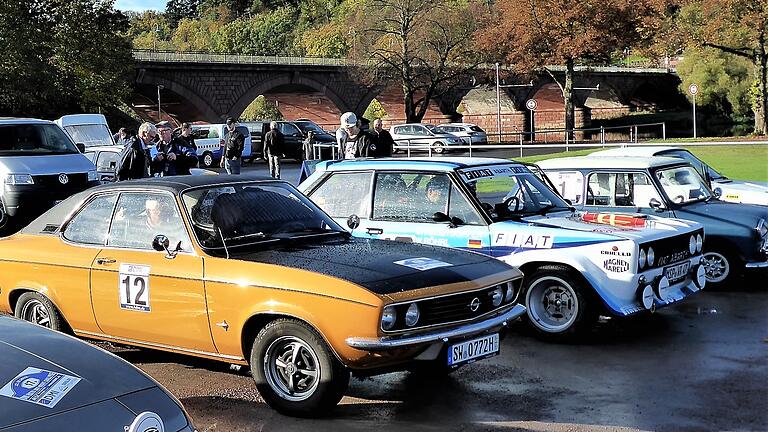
613,162
457,124
634,151
82,119
19,120
427,164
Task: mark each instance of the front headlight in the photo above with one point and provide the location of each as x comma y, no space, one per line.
650,257
497,295
412,315
18,179
762,228
641,258
699,242
93,176
692,245
510,293
388,318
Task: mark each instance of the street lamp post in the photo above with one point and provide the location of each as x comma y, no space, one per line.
159,112
693,89
498,104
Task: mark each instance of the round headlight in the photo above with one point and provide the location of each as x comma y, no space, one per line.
510,293
641,258
692,245
412,315
388,318
699,242
497,295
650,256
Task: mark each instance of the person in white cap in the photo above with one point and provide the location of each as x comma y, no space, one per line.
353,142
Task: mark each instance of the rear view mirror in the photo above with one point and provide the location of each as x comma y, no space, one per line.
80,147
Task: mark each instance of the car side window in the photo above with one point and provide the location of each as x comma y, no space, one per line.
461,208
200,133
621,190
212,133
106,161
410,197
420,130
569,184
399,130
91,225
140,217
288,129
345,194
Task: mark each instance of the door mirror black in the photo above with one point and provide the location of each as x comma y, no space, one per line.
440,217
160,243
81,147
656,204
353,221
568,201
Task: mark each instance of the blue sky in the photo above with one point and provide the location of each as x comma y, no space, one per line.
140,5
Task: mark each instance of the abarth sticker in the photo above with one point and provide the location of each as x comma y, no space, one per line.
39,386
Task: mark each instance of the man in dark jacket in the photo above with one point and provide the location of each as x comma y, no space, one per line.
274,144
185,144
133,162
383,140
233,148
164,153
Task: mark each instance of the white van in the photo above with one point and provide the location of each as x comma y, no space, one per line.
210,140
39,166
87,129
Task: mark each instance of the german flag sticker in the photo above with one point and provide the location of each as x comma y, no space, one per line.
475,244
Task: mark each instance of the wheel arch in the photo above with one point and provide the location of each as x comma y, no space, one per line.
530,267
16,293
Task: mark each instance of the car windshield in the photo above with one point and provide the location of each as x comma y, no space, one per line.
701,167
509,191
34,140
90,134
434,129
306,126
683,184
240,214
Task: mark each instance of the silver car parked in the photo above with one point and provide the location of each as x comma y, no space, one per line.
470,133
422,137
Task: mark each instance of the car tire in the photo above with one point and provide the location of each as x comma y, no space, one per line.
38,309
207,159
299,349
719,267
438,147
557,304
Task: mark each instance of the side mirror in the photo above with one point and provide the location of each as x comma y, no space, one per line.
718,192
440,217
353,221
80,147
568,201
161,243
656,204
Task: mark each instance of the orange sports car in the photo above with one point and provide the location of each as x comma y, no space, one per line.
251,272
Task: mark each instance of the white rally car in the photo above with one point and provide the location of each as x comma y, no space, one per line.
748,192
577,265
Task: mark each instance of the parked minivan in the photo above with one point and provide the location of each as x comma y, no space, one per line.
88,129
39,166
210,139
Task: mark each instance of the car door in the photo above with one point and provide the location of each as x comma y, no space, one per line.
293,139
623,191
424,208
142,295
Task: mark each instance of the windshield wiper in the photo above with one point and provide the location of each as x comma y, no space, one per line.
257,235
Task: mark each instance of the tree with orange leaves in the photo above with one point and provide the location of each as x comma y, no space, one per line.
532,35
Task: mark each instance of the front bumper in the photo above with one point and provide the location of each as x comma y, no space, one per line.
752,265
391,342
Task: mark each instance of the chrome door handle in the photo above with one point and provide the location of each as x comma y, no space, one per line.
374,231
103,261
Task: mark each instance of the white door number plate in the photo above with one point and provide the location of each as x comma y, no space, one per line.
472,349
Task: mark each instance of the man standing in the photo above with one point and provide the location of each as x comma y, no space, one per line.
163,153
352,141
133,162
185,144
274,143
120,136
233,148
383,140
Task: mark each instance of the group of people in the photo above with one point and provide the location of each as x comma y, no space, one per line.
353,141
154,152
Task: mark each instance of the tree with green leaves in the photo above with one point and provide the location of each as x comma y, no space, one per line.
261,109
532,35
423,45
736,27
62,56
177,10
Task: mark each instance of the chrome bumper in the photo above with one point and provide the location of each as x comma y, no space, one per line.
389,342
762,264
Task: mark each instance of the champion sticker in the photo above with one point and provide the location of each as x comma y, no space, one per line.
422,264
39,386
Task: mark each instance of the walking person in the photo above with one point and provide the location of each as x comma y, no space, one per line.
274,145
134,159
233,148
383,139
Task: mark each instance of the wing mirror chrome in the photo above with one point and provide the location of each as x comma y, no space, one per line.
353,221
161,243
656,204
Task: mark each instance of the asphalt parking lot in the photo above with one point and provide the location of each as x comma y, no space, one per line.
699,365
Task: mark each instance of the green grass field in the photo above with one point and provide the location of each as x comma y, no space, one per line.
740,162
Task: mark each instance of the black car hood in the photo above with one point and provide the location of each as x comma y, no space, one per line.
372,263
726,213
102,375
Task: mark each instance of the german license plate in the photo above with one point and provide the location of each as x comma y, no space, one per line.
473,349
677,272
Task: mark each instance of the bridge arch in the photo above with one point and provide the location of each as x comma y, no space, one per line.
205,109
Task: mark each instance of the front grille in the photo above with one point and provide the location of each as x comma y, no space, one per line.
455,308
670,250
52,185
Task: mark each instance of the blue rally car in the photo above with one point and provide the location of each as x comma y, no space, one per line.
577,265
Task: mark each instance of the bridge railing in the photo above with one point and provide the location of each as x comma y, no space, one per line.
195,57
